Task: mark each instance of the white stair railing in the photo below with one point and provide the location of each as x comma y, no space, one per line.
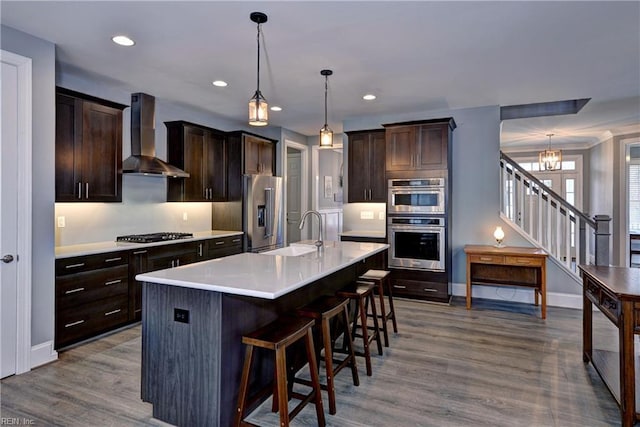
551,222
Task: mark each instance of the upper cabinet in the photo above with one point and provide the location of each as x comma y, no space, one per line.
199,151
421,145
88,148
247,154
259,156
366,158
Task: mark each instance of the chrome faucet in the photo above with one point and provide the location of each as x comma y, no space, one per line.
318,242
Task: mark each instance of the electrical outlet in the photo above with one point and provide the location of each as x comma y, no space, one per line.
181,315
61,222
184,216
381,216
366,215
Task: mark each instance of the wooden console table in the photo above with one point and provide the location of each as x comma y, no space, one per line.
616,293
507,266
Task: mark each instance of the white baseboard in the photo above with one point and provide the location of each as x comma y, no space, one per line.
42,354
554,299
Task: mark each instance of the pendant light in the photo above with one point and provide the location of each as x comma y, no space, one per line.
258,107
326,134
550,160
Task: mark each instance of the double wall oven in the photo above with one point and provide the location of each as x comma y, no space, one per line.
416,224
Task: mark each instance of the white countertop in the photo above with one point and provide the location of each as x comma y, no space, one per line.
262,275
102,247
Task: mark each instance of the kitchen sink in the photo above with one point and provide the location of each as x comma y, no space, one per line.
293,250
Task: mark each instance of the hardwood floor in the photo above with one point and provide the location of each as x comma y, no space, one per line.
496,365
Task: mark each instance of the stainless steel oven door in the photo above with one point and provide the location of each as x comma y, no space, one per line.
417,247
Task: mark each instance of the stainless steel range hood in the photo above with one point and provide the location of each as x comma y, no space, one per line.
143,160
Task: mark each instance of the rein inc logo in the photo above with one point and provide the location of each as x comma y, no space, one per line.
16,421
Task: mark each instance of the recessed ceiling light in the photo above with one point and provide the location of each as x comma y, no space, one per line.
369,97
220,83
276,108
123,40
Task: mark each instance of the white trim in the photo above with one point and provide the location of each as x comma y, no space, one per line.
42,354
521,295
304,178
23,324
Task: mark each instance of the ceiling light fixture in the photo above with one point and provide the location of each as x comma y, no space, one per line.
550,160
122,40
276,108
220,83
258,107
369,97
326,134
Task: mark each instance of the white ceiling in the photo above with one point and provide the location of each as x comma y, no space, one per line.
415,56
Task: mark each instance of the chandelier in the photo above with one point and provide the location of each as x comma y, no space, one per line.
550,160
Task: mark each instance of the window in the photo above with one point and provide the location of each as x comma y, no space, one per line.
634,195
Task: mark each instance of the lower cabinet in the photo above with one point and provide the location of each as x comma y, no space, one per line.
98,293
424,285
91,296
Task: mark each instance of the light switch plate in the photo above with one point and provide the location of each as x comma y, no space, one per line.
184,216
366,215
381,216
61,222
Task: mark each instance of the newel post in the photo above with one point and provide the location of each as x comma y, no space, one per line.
602,234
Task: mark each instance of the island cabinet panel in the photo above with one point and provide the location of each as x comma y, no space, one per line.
366,157
88,148
91,296
201,152
418,146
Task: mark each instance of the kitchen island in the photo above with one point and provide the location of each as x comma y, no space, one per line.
194,317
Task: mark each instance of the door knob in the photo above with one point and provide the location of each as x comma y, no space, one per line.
7,259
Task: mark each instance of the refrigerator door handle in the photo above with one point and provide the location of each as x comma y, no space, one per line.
268,201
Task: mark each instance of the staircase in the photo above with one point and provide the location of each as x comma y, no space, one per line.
549,222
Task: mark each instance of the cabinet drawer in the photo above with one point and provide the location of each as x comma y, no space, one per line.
523,260
87,320
90,262
420,289
224,246
610,306
91,286
486,259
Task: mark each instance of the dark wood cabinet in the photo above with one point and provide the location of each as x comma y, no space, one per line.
88,148
247,154
366,156
91,296
421,145
201,152
259,158
222,246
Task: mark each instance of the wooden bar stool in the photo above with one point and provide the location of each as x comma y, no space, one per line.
361,293
381,279
324,310
277,336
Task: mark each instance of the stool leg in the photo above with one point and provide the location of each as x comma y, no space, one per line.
365,335
352,353
281,375
383,313
244,385
328,359
315,379
376,328
392,310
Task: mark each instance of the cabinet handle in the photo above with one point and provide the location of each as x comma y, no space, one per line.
73,291
139,252
177,263
370,194
86,190
220,243
75,265
430,290
109,313
79,190
173,263
68,325
365,193
113,259
399,286
235,241
523,261
199,249
485,258
112,282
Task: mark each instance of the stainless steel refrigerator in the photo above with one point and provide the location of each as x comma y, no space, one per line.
262,212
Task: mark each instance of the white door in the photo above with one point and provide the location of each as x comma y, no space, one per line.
15,214
8,221
294,194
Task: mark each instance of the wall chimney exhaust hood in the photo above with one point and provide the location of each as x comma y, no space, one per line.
143,160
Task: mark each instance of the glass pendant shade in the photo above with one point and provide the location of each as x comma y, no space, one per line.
550,160
258,110
326,136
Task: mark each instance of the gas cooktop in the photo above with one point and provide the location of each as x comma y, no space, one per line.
153,237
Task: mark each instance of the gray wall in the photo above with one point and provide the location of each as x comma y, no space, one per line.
42,54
